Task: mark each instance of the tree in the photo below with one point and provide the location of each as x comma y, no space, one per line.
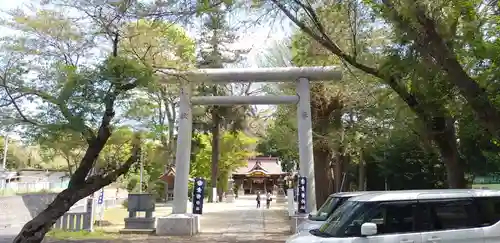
216,37
49,65
281,141
160,45
235,149
18,155
153,161
66,144
391,66
449,33
402,162
340,110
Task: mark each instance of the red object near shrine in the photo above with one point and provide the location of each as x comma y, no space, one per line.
169,176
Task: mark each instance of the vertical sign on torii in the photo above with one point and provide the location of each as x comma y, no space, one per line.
302,76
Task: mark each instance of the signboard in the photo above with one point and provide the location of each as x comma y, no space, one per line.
198,195
257,173
302,197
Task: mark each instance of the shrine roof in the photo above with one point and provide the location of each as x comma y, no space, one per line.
267,165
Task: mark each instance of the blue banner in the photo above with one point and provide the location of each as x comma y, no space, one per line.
198,195
101,197
302,197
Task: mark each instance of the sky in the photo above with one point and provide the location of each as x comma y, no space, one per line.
257,38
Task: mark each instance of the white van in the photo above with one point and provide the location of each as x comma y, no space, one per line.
316,219
415,216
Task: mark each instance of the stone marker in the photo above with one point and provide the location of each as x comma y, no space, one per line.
140,203
178,225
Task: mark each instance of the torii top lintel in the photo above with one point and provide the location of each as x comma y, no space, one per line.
242,75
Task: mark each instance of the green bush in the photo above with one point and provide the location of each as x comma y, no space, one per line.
125,203
132,184
158,190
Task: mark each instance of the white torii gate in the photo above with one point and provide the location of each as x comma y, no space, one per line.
302,76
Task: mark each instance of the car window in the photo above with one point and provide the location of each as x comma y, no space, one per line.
392,218
343,217
327,208
449,214
489,210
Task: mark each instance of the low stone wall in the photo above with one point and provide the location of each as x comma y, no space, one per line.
15,211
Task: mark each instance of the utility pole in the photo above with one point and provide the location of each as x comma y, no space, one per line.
5,148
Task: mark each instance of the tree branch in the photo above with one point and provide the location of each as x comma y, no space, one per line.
431,43
326,42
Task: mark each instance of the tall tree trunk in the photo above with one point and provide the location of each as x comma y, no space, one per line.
444,136
338,172
35,230
339,154
361,173
341,182
215,153
321,175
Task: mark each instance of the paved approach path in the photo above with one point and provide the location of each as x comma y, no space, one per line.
238,222
243,222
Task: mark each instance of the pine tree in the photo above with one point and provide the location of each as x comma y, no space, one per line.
216,37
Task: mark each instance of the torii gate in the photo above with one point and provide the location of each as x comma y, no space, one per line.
301,75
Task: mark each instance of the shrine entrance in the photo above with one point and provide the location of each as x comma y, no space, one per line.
261,174
301,76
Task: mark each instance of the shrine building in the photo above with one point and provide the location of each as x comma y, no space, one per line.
261,174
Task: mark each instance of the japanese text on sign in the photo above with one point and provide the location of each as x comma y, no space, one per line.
302,194
198,195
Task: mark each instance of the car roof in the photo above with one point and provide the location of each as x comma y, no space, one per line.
350,194
425,194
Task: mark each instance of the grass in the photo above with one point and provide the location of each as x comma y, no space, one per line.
489,186
113,217
79,235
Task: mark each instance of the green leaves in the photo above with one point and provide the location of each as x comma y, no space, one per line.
126,74
158,44
235,149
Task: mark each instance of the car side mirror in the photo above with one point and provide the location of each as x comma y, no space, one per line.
368,229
